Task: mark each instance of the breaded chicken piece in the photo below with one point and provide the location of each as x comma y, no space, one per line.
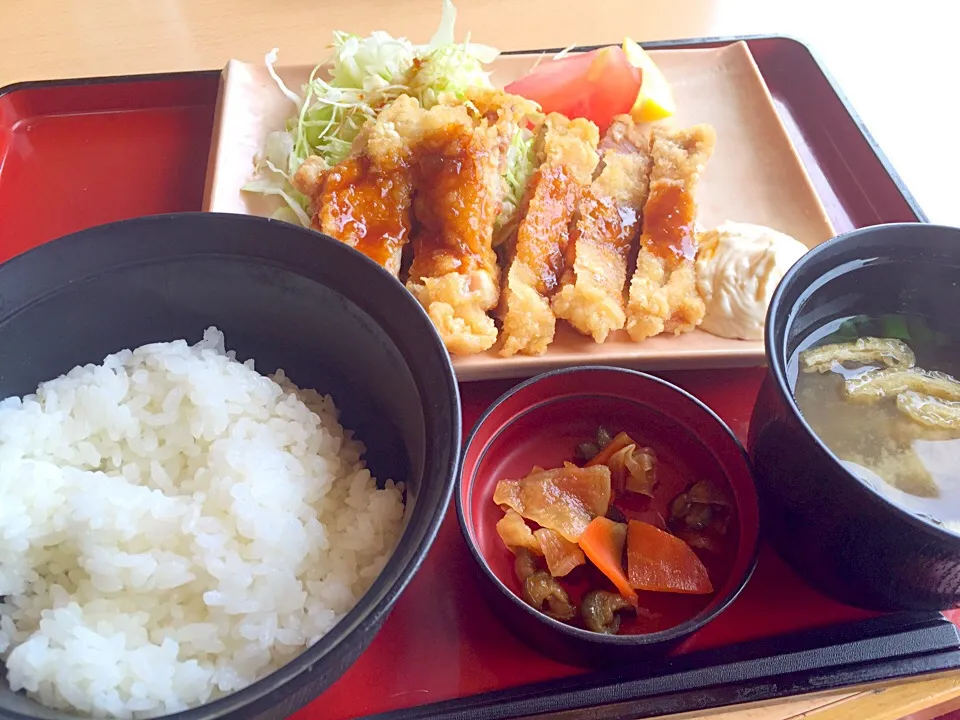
506,112
393,139
367,209
567,150
663,291
364,204
591,295
455,164
308,179
516,119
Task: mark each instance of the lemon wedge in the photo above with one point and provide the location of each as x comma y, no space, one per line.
655,100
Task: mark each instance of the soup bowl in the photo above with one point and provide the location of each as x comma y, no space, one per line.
285,297
837,530
541,422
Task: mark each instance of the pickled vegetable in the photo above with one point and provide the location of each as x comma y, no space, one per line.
702,506
699,540
616,514
557,520
708,493
543,592
633,470
660,562
603,542
588,450
600,611
515,533
561,555
525,563
863,351
619,442
564,500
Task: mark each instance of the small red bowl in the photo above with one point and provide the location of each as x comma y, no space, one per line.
540,422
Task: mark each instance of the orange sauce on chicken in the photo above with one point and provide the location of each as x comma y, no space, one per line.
454,208
597,223
367,209
555,196
668,223
601,222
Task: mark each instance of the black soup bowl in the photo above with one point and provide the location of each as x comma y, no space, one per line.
833,528
286,297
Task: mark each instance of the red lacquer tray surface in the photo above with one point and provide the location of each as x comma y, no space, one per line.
73,156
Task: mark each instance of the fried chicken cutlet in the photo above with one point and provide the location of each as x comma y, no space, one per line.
591,295
364,204
454,161
515,119
567,150
663,291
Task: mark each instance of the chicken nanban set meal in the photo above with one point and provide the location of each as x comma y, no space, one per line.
230,438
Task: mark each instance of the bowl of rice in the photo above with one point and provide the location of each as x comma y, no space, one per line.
226,445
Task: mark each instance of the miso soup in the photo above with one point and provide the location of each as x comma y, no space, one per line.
881,393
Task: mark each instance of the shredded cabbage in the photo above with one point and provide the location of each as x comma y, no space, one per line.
521,162
275,168
365,75
448,70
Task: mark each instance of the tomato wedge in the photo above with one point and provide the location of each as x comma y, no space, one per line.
596,85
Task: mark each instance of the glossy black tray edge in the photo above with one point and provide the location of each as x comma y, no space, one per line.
883,648
704,42
889,647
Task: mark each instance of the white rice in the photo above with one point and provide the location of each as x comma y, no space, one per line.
175,526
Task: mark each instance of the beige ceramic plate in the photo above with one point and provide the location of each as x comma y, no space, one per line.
755,176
